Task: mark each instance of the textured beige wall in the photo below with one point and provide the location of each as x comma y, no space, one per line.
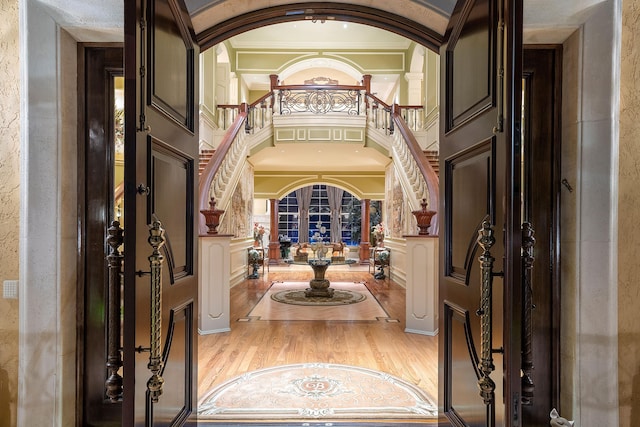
629,218
9,206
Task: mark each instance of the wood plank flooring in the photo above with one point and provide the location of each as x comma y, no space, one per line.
378,345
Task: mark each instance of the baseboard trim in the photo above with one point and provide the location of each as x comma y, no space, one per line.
419,332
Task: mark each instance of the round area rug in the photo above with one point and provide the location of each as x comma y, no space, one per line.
298,297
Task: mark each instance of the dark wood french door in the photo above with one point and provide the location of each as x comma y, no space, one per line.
99,73
480,265
161,150
542,69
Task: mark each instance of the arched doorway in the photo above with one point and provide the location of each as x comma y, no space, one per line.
462,109
43,193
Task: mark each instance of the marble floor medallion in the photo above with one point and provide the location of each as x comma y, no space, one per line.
316,391
299,297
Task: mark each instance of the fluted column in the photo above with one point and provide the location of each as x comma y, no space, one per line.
415,88
365,228
274,243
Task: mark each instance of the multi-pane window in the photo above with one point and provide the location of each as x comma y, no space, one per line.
288,217
350,216
320,217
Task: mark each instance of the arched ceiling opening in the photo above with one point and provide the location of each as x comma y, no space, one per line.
216,21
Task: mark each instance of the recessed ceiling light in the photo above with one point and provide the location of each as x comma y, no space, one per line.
344,25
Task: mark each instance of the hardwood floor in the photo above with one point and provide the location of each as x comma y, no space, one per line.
378,345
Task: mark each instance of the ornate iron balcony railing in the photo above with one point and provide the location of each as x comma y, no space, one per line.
320,101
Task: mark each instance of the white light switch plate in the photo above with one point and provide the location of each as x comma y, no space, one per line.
10,289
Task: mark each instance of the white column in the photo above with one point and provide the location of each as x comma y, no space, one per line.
214,261
48,229
422,285
594,358
414,96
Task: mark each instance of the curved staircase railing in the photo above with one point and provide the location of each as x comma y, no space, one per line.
379,114
420,175
417,176
223,170
224,167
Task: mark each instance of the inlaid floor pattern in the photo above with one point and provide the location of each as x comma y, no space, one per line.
378,345
268,309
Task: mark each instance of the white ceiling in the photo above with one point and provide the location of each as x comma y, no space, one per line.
330,35
330,157
327,35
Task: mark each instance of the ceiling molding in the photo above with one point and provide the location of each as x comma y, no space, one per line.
368,66
238,22
255,65
320,62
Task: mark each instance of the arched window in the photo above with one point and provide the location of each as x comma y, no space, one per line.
319,217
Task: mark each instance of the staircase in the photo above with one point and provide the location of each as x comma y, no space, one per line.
418,180
432,157
434,160
205,156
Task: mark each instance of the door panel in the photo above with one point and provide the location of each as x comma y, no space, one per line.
160,328
472,43
172,172
471,177
171,72
177,403
480,278
541,142
461,363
